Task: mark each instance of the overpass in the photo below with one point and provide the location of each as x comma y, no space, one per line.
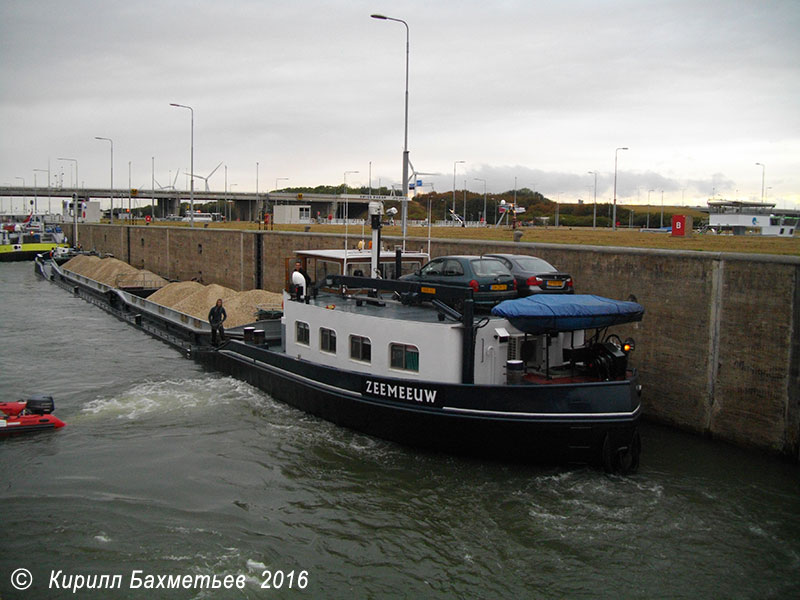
247,206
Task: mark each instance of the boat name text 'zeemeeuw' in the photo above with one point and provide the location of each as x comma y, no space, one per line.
400,392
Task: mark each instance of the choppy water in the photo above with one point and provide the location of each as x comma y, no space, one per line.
170,470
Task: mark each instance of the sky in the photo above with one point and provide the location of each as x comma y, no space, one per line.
528,93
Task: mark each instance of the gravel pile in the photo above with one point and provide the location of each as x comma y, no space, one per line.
113,272
83,264
243,307
189,297
200,302
172,293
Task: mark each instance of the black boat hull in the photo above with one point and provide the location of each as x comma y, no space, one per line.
526,423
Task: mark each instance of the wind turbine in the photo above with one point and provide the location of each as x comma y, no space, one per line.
206,178
169,187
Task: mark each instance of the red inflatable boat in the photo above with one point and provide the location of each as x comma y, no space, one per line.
33,414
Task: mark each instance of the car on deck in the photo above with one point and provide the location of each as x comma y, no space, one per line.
489,278
535,275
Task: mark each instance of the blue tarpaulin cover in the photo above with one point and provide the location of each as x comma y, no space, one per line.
549,313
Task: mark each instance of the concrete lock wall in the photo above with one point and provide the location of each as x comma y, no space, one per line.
718,350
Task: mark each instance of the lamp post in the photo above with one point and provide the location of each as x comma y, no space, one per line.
110,141
230,202
153,187
648,208
405,136
454,184
484,198
258,202
614,216
74,204
346,204
346,219
191,164
594,212
23,199
48,186
763,172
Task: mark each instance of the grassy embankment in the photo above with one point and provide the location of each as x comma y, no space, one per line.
564,235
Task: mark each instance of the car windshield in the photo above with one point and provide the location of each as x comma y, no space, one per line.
537,265
488,267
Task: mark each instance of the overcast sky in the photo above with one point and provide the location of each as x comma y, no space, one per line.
543,92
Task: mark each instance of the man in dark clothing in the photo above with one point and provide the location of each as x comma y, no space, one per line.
216,316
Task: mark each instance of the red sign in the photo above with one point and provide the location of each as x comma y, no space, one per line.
148,218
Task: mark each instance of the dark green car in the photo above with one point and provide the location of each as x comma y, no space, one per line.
489,278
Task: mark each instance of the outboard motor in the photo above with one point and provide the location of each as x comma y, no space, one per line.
40,405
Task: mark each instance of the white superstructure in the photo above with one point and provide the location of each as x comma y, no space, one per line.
741,216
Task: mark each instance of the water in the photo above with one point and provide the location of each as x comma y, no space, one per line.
167,469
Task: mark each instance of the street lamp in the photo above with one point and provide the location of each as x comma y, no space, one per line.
594,213
36,208
346,204
230,203
405,136
484,197
648,208
258,201
191,165
74,204
614,216
763,172
454,184
109,140
23,199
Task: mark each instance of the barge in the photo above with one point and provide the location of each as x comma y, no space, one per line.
393,359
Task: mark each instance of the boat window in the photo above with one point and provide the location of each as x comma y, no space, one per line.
360,348
327,340
323,268
404,357
301,334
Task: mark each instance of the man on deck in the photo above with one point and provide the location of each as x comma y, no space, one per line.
216,317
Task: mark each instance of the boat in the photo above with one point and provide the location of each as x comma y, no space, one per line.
28,416
23,241
392,358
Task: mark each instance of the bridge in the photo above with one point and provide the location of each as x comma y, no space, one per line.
246,206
